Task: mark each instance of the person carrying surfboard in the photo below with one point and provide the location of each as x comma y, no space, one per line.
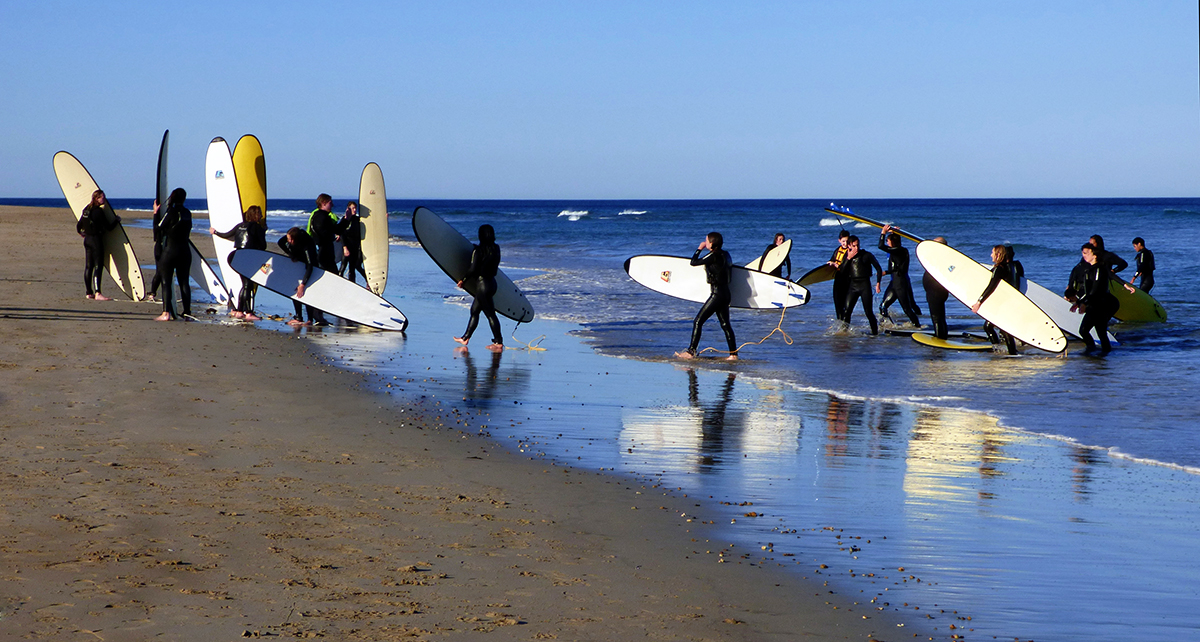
485,263
1001,271
787,260
1096,302
250,234
322,227
900,288
175,229
92,225
935,298
350,231
857,269
299,246
718,268
840,282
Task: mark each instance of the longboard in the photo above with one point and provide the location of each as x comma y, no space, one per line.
676,276
773,259
925,338
1058,308
324,291
1006,308
451,251
120,261
372,209
201,272
250,168
821,273
224,207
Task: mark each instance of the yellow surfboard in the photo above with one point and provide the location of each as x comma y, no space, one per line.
1136,305
372,208
250,168
924,338
120,261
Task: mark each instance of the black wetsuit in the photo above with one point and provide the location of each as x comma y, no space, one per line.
840,283
175,228
1100,306
718,269
1000,272
858,276
485,262
1112,261
323,228
251,236
900,289
936,297
156,280
778,271
92,225
350,229
1145,268
1077,281
305,251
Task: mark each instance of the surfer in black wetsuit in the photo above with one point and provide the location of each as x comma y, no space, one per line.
299,246
935,298
857,269
1018,270
787,259
900,289
156,281
175,229
323,228
250,234
481,276
718,269
350,230
1001,271
1106,258
840,284
1145,265
1095,301
92,225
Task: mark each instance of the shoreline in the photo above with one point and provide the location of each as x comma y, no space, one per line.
195,479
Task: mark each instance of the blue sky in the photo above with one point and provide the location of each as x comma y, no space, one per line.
614,100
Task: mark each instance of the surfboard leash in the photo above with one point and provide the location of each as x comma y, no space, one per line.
531,346
787,339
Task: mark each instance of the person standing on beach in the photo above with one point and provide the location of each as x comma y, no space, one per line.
935,298
485,263
156,281
350,230
175,229
718,270
1095,301
857,269
323,229
787,259
92,225
840,284
900,289
299,246
250,234
1001,271
1145,265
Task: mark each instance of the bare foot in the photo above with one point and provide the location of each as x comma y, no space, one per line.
461,340
235,314
295,322
165,316
101,297
91,296
496,347
732,357
685,354
251,317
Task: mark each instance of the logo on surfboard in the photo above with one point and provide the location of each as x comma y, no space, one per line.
665,276
267,268
220,174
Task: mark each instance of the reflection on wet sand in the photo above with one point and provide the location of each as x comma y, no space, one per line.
483,386
951,456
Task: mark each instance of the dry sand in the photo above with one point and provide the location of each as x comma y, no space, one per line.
201,481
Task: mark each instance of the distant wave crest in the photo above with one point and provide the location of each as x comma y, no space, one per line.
573,215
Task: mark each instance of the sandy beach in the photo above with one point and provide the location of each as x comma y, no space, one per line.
200,481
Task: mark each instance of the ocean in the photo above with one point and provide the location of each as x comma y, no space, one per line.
1039,496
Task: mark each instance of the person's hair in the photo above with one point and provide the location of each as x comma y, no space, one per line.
1009,253
1137,240
998,251
779,235
350,204
1097,241
323,199
852,239
894,239
294,233
1089,247
843,234
96,197
716,240
940,239
254,214
487,234
177,197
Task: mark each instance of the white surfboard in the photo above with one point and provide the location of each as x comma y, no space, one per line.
676,276
1058,308
201,272
119,260
452,252
324,291
1006,308
372,208
773,259
224,207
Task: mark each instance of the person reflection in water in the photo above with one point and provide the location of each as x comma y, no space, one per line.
712,423
480,385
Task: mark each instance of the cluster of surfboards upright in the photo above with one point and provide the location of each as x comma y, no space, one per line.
237,180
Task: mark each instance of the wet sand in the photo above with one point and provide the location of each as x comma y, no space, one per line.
201,481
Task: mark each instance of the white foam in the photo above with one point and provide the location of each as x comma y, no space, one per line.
629,213
573,215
